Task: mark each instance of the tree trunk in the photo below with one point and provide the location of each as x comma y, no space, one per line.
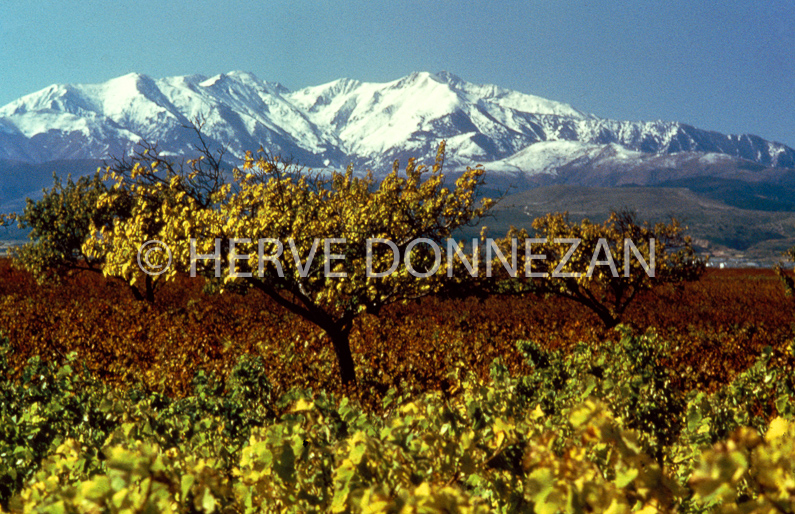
342,347
338,330
150,290
607,318
148,294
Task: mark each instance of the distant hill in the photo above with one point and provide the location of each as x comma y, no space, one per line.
718,229
20,180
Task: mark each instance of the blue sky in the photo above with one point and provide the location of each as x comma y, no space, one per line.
727,66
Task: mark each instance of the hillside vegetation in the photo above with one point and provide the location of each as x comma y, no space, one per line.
718,229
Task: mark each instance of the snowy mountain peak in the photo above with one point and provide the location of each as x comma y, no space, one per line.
237,77
366,123
130,78
213,80
415,78
321,95
450,78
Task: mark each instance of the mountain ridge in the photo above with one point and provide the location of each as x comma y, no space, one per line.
527,143
347,121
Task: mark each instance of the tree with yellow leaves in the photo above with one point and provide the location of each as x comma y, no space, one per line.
59,223
604,266
145,185
64,221
326,249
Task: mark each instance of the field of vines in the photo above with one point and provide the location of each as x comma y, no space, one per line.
203,402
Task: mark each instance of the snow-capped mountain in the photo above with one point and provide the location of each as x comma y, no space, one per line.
99,120
347,121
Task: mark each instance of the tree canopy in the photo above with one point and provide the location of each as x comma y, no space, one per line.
323,248
603,266
60,221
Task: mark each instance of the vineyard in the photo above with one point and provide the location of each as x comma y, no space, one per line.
348,383
202,402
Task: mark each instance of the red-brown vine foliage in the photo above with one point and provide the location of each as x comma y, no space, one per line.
718,325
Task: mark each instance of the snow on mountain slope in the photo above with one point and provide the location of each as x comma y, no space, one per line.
245,112
410,116
238,110
488,124
347,121
548,156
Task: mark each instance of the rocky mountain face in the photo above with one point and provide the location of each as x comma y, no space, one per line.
367,124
